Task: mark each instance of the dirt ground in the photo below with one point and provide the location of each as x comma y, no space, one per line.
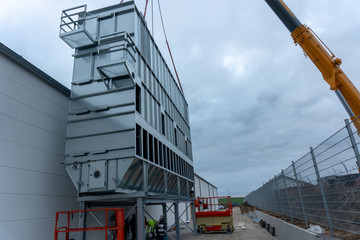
253,231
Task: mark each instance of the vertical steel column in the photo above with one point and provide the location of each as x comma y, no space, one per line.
278,194
178,186
177,220
187,211
287,195
193,218
140,219
164,214
300,195
165,182
145,177
322,191
353,143
82,221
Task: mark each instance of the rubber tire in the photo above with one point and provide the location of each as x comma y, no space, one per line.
229,230
199,230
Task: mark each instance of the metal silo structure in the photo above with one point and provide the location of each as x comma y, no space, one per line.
128,128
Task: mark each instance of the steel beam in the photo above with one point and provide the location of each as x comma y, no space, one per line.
140,219
82,221
177,220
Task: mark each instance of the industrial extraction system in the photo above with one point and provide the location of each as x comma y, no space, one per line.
128,136
128,128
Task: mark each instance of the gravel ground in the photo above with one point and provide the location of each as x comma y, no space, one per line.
253,231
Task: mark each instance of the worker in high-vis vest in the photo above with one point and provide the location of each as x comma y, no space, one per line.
151,226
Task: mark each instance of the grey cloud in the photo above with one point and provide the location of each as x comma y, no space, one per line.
248,125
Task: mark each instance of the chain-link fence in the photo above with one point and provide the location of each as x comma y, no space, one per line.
322,187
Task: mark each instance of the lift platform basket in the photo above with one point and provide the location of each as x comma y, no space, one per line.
214,214
114,223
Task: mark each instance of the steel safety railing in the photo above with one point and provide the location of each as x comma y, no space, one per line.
322,187
66,222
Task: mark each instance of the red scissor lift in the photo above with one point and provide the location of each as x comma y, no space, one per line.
114,227
214,216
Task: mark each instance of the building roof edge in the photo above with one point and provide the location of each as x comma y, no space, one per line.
32,68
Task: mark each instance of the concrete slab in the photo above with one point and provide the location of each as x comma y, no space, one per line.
253,231
286,231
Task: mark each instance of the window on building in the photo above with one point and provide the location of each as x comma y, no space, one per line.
156,147
145,144
165,157
161,161
168,159
138,99
151,148
138,140
175,136
163,124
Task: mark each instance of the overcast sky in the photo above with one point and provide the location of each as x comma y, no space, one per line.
256,103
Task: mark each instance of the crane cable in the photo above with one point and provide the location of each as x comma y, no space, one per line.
168,46
146,4
167,42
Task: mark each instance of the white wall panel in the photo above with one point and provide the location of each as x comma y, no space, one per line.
33,182
203,188
18,156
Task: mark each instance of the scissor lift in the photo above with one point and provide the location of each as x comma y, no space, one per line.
214,216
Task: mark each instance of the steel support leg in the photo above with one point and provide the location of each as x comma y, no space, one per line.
140,219
82,221
164,210
177,220
187,212
193,217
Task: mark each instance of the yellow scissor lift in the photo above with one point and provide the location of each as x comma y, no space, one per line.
213,216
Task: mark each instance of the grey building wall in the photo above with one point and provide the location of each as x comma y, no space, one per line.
203,188
33,120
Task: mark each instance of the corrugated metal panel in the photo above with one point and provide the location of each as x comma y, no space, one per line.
33,121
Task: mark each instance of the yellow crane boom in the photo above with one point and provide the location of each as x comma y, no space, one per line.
323,58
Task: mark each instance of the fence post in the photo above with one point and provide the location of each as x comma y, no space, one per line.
300,195
322,191
273,196
278,194
353,143
287,195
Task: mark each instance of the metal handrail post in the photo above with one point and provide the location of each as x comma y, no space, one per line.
300,195
322,191
353,143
